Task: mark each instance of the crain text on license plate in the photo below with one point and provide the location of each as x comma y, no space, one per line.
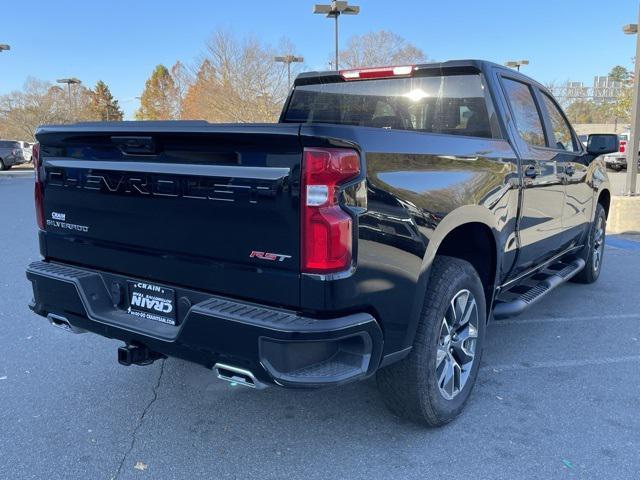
152,302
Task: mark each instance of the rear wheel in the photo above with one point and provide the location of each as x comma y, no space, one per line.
3,166
593,251
433,383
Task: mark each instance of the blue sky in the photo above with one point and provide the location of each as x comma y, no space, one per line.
121,41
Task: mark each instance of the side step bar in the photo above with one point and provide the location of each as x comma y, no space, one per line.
519,298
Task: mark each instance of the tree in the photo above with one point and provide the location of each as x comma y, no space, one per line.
379,48
38,103
622,105
620,74
104,107
182,80
159,98
196,104
237,81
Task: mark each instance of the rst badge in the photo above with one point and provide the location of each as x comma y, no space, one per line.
272,257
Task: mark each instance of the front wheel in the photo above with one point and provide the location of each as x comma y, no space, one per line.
3,166
433,383
593,251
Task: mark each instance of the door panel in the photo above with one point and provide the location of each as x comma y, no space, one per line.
573,161
543,198
543,192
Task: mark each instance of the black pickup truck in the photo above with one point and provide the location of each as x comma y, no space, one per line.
374,230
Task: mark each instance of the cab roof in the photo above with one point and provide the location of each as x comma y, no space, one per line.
422,69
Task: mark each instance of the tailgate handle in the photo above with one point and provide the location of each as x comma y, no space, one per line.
135,145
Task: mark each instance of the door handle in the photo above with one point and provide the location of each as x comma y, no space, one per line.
531,171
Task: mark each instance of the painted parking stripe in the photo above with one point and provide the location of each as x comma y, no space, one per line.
586,318
565,363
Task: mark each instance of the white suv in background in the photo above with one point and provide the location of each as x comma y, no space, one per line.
27,150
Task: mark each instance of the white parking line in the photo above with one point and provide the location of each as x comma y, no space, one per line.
564,363
586,318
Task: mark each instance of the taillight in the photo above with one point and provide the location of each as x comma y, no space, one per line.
623,146
38,192
326,244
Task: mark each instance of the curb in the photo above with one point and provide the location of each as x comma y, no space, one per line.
624,215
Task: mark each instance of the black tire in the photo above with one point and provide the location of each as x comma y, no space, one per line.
410,387
593,251
3,166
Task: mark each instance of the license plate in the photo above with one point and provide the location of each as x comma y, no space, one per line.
152,302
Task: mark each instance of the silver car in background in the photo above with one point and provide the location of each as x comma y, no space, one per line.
13,152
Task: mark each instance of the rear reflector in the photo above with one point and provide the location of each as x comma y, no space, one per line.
38,192
326,229
379,72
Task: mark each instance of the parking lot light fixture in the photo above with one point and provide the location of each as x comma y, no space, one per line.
4,46
69,82
289,59
516,63
334,10
633,144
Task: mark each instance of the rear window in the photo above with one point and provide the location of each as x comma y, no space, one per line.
450,104
6,144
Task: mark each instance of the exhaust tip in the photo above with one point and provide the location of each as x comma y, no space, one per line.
238,376
62,323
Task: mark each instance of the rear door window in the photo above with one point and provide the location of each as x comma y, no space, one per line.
525,112
449,104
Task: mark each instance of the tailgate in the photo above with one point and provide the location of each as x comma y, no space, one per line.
210,207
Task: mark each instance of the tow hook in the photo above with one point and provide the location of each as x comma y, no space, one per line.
136,354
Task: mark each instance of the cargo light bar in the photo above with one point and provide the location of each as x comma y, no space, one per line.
378,72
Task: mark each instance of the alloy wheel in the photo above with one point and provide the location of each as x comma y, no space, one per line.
457,344
598,244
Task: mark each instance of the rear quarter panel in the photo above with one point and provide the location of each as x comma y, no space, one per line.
420,187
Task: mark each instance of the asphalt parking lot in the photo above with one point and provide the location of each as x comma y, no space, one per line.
558,397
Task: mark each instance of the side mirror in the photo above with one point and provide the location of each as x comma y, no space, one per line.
602,143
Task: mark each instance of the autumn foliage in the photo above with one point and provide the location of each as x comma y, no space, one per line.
235,80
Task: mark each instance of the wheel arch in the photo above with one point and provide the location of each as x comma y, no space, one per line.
461,234
604,199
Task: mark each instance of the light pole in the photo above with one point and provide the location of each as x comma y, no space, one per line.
516,63
334,10
289,59
4,46
69,82
632,145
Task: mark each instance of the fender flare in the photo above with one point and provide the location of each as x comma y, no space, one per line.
461,216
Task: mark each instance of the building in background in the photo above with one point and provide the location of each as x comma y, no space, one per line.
605,89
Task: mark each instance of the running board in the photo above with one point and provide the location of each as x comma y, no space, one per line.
517,299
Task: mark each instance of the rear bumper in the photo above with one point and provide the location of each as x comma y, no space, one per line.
277,346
